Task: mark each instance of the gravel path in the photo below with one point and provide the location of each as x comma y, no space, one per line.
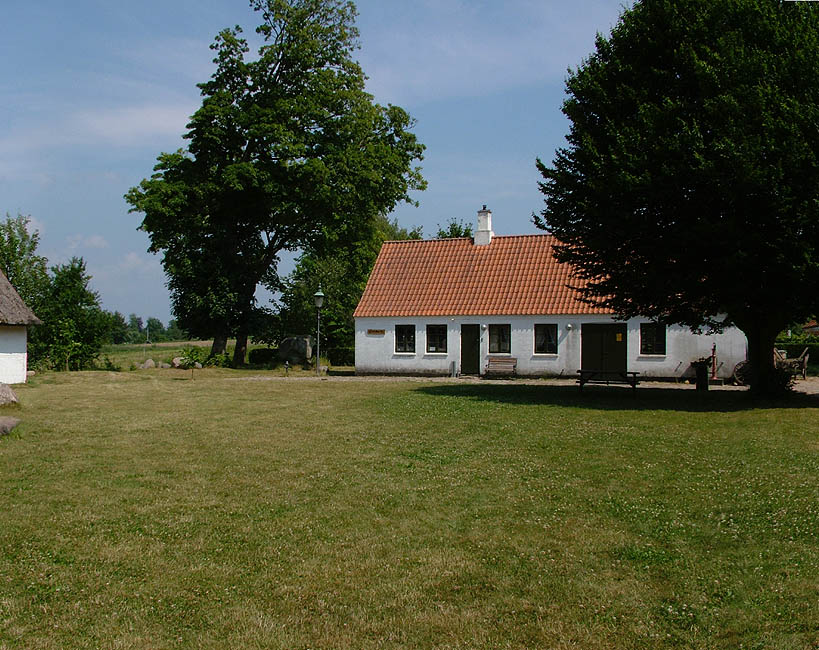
808,386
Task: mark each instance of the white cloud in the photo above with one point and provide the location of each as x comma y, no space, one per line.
130,124
75,242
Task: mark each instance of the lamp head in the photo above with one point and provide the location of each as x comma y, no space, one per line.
318,298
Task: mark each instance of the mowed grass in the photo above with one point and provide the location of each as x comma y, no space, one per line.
149,510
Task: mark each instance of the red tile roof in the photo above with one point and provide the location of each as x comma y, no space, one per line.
442,277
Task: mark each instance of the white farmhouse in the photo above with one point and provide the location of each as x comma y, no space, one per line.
15,317
445,306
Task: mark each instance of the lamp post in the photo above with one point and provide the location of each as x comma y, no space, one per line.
318,298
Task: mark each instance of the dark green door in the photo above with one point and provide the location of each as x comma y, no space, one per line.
603,347
470,349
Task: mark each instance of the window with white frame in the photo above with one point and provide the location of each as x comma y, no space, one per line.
652,338
546,338
436,338
405,338
500,338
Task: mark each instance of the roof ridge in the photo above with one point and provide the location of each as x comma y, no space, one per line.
420,241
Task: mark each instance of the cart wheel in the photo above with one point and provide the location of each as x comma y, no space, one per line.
742,373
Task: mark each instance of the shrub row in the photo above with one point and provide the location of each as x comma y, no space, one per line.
795,349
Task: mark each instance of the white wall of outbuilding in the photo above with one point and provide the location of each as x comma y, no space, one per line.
13,355
375,352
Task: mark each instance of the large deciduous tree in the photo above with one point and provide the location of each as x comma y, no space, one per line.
286,149
689,189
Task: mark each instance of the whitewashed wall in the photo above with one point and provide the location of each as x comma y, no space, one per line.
13,357
375,353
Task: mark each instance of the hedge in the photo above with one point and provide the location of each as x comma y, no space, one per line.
795,349
262,356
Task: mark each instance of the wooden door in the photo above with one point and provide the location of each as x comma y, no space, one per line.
470,349
603,347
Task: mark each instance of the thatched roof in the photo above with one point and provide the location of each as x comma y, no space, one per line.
13,311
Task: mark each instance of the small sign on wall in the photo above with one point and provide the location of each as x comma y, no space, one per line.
376,332
619,337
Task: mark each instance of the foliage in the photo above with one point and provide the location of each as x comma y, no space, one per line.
191,355
688,186
25,269
116,328
262,356
454,228
74,327
342,274
286,149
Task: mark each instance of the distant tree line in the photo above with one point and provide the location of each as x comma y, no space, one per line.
137,330
74,326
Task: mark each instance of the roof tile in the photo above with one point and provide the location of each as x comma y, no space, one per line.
515,275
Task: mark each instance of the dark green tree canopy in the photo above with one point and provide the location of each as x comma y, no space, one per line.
454,228
25,269
286,149
689,185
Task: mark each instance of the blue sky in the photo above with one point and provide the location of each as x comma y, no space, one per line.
94,90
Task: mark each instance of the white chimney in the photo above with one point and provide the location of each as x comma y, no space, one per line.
484,234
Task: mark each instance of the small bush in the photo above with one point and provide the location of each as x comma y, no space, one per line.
341,356
192,355
109,365
222,360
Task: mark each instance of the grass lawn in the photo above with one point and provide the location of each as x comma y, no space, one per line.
148,510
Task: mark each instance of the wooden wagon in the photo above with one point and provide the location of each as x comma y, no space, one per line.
796,366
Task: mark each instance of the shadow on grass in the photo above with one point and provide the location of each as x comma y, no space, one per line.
618,398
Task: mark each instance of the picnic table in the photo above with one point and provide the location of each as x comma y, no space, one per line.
630,377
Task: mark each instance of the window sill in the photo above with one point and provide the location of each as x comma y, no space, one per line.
545,355
436,354
652,356
404,354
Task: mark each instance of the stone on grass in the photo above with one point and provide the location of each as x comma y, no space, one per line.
7,423
164,365
176,362
296,349
150,363
7,395
197,365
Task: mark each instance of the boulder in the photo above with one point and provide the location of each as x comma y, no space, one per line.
7,395
176,362
7,423
164,366
197,365
296,349
150,363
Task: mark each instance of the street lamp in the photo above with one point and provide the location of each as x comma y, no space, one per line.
318,298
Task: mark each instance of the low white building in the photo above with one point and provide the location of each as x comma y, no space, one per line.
446,306
15,318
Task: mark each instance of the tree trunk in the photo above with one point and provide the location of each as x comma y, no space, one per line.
240,351
761,340
219,345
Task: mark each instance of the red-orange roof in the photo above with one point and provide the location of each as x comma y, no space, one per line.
443,277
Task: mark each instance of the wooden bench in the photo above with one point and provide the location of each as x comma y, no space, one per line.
501,366
607,377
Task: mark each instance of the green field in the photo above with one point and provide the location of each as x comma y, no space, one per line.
237,509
